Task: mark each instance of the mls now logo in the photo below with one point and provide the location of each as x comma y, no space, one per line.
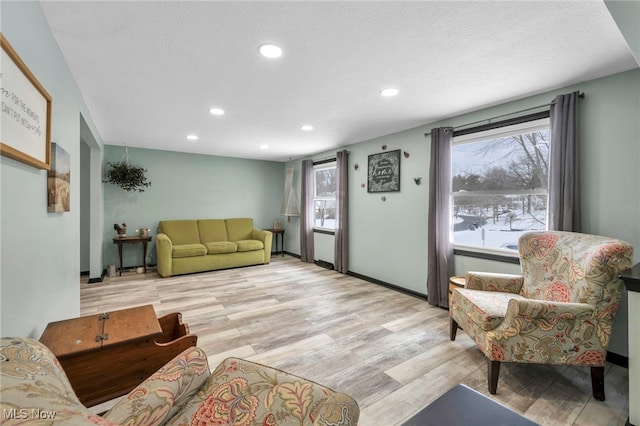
24,414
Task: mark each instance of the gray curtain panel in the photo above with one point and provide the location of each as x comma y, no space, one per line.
439,248
564,172
306,212
342,211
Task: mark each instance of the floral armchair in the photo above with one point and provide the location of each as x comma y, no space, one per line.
559,311
34,389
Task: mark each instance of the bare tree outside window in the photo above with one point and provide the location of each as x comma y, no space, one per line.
499,187
324,200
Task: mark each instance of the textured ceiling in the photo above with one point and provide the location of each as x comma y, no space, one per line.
149,71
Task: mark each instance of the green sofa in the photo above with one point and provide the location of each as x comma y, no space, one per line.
187,246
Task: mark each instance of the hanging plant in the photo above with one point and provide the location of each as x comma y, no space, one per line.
130,177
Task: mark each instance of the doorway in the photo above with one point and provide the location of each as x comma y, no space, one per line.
90,205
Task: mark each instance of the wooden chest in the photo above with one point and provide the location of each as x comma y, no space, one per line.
107,355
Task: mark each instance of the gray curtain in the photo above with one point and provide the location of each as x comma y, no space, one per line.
342,211
564,172
439,248
306,212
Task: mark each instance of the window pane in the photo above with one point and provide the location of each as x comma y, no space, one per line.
325,182
325,213
497,221
494,167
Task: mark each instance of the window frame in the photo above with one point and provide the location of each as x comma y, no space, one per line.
322,165
523,124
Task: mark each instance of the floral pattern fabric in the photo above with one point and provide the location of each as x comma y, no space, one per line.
243,393
164,393
485,308
36,390
494,282
565,308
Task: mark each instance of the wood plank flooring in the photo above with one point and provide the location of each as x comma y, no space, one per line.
389,351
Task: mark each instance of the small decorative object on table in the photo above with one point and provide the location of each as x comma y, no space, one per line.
144,232
121,230
277,224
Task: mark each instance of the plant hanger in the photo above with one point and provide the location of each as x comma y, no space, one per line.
125,175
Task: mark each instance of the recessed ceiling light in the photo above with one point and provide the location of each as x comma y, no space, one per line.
307,128
270,51
216,111
192,137
264,146
388,92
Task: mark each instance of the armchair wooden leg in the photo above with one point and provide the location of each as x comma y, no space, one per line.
493,371
453,328
597,382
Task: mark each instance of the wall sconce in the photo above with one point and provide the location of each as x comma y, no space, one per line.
356,166
406,154
417,180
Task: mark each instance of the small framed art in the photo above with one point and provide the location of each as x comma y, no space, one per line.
59,181
383,173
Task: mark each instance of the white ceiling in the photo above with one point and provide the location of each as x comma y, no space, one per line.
149,71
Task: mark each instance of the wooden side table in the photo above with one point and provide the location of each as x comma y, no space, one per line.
276,233
106,355
133,240
456,282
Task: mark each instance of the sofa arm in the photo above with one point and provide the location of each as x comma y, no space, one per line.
266,237
543,309
506,283
339,409
164,249
165,392
547,332
33,381
544,318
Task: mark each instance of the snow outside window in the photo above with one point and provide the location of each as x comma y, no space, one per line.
324,196
499,186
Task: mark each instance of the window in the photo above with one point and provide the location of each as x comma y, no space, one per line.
324,195
499,185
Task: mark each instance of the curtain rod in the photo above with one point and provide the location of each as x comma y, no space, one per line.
488,120
327,159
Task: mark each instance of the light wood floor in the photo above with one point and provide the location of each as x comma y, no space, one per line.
389,351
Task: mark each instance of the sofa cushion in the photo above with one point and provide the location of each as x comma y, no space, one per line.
485,308
188,250
249,245
212,230
239,229
218,247
240,392
180,231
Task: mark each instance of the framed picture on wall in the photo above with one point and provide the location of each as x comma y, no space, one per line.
26,112
59,181
383,173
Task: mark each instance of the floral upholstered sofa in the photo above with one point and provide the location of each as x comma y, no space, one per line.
560,310
35,389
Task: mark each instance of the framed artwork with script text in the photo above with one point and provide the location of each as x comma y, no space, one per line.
26,112
383,173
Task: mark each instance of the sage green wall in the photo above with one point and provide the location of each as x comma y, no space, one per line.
627,16
40,251
388,238
188,186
